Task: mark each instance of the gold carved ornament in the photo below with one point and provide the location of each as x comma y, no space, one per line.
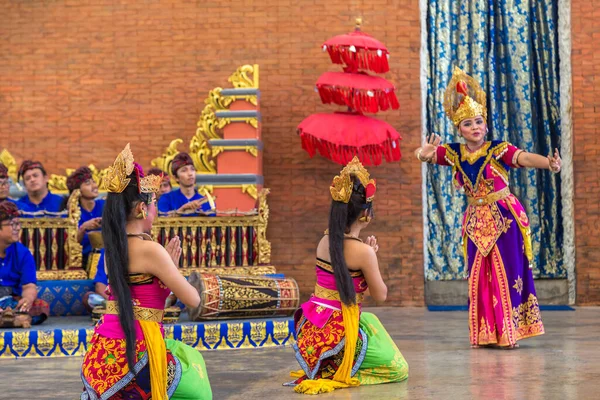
246,76
264,246
164,162
10,163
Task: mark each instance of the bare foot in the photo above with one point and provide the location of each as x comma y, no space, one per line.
474,346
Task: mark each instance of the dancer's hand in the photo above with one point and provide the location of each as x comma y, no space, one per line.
555,162
372,241
174,249
430,146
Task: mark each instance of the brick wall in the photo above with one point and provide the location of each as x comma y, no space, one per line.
586,147
79,78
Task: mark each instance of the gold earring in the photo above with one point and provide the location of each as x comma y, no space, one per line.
142,215
366,218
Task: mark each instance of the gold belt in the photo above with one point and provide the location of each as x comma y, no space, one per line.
329,294
489,199
139,313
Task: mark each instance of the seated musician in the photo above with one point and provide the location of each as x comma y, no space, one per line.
185,201
98,296
38,197
18,289
91,207
4,184
165,185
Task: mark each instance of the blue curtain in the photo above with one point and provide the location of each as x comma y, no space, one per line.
511,48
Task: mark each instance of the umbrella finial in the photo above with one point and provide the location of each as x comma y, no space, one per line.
358,21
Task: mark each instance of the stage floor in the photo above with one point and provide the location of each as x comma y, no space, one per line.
562,364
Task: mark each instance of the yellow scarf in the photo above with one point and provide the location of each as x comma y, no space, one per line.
157,359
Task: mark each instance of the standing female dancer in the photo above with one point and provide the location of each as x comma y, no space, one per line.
503,307
338,346
128,356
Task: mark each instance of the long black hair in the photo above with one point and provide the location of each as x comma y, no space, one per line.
341,217
117,209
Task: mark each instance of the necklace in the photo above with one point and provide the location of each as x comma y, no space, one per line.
346,235
141,235
349,236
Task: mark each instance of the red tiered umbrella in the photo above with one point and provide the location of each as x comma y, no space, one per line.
360,92
358,50
341,136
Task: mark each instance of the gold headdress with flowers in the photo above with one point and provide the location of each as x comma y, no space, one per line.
341,187
117,175
464,98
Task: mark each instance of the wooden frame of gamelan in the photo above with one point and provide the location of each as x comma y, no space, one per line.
53,243
223,243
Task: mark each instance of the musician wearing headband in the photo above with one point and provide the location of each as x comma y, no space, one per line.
339,346
185,200
141,275
38,198
503,307
91,207
165,185
18,282
4,184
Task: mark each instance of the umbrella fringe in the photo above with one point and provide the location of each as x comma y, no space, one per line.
342,154
360,59
359,100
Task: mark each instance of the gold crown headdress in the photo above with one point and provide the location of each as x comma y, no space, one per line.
341,187
464,98
116,178
150,184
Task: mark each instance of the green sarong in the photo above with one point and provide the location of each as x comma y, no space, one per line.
194,383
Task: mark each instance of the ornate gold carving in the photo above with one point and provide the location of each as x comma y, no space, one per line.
247,120
217,101
264,246
216,150
202,155
9,162
74,248
251,190
164,162
57,183
70,275
209,125
241,78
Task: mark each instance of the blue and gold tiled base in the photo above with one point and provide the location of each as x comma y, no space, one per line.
65,296
73,341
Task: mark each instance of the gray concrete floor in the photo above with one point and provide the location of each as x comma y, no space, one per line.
562,364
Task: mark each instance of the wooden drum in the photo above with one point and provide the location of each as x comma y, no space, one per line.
224,297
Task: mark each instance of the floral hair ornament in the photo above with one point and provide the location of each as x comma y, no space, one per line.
341,187
464,98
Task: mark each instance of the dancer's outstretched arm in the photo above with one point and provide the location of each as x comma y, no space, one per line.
531,160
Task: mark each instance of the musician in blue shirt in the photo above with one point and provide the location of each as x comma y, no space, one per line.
98,296
91,207
18,281
4,184
185,200
38,197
